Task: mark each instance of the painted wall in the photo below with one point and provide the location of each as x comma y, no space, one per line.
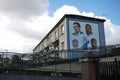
84,35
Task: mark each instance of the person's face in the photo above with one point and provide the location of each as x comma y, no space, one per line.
76,28
75,44
88,30
94,43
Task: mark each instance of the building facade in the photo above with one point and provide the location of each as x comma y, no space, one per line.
73,32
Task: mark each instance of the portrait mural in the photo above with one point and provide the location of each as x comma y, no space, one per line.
83,35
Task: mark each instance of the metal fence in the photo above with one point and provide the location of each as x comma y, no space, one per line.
32,64
53,63
109,70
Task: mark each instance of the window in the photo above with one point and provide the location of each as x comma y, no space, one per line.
47,41
56,35
62,29
50,38
42,46
62,45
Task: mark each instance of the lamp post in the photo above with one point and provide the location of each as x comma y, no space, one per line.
2,61
6,57
6,52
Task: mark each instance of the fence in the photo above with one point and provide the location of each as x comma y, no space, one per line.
53,63
109,70
16,64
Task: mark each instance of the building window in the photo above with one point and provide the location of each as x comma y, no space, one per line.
62,45
50,38
56,35
47,41
62,29
42,47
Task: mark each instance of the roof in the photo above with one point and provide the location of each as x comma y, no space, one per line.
71,16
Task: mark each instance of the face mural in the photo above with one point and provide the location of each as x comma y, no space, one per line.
83,35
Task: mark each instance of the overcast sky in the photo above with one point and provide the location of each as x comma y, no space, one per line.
23,23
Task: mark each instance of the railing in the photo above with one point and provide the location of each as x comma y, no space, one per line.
55,56
109,70
53,60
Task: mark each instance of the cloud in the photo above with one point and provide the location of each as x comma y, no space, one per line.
24,8
36,28
22,36
24,30
89,14
65,9
111,33
111,30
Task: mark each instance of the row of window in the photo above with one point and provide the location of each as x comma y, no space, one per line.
49,39
62,29
55,37
62,32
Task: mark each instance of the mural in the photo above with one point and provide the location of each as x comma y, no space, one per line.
83,35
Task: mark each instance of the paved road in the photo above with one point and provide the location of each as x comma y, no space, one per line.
33,77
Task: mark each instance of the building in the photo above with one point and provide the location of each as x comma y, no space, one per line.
73,32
